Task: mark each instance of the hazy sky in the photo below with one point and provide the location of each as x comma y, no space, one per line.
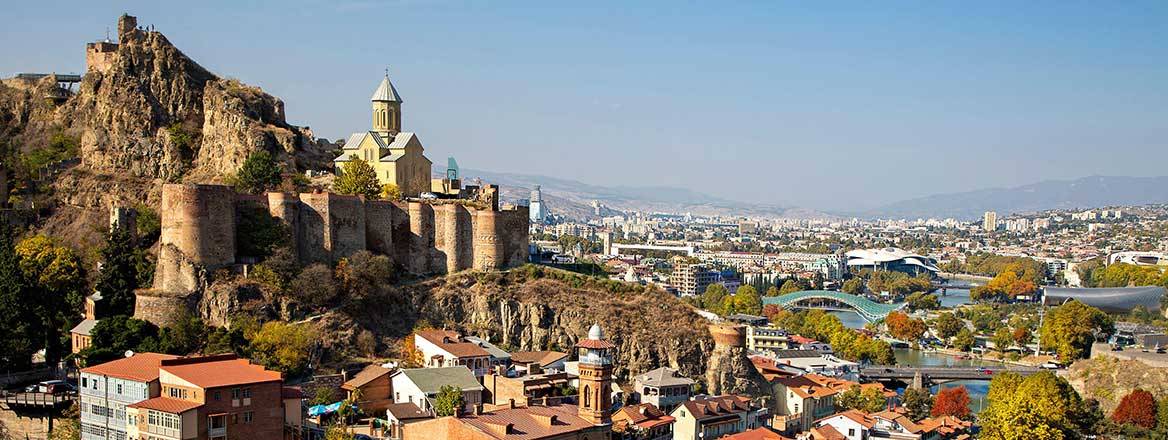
818,104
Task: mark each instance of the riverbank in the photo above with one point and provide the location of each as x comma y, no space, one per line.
965,277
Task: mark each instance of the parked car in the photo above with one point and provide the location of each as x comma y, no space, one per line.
1050,366
54,387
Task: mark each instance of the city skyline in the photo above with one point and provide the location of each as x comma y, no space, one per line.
873,104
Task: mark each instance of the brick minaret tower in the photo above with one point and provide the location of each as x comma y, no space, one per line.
595,356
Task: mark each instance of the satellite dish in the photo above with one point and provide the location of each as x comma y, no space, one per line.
129,353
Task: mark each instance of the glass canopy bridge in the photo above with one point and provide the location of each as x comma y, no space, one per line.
870,310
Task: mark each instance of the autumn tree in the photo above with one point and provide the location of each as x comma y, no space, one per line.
56,280
357,178
1137,408
952,401
790,286
771,312
16,335
1021,336
922,301
391,192
869,399
282,346
1041,406
901,326
1069,329
713,297
1002,339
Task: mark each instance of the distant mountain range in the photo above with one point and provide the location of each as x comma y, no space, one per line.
574,199
1086,192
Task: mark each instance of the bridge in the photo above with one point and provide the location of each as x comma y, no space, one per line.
871,311
617,247
36,400
938,374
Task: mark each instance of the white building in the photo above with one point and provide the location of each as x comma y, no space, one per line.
442,348
420,386
106,389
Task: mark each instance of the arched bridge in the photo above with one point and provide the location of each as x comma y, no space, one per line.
938,374
871,311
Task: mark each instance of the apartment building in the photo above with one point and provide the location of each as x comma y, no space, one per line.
105,390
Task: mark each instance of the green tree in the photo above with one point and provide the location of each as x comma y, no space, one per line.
713,296
257,233
114,335
1069,330
854,286
119,274
259,173
947,325
790,286
868,399
16,334
357,178
918,402
747,300
922,301
339,431
964,340
448,402
1002,339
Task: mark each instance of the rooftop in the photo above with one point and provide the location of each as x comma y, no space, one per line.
141,367
543,357
663,377
528,423
430,380
218,371
167,405
368,374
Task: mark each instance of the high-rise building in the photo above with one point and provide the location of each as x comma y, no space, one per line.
537,211
990,221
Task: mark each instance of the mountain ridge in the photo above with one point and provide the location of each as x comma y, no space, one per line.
1081,193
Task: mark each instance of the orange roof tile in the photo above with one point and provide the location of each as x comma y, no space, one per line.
756,434
142,367
826,432
544,357
719,406
528,423
167,405
368,374
218,371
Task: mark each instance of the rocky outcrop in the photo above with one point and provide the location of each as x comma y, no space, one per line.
152,115
1107,379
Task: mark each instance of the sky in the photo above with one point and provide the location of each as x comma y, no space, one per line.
826,105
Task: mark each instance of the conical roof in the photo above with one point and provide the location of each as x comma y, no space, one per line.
386,92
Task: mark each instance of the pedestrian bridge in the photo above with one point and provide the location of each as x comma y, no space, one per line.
870,310
938,374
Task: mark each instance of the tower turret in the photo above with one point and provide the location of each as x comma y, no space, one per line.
386,108
595,356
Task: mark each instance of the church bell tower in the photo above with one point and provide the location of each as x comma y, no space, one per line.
595,355
386,108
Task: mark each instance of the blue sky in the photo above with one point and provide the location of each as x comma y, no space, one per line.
839,105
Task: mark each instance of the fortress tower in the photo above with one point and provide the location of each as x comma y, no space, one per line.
595,355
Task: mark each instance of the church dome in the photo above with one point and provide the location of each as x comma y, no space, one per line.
595,332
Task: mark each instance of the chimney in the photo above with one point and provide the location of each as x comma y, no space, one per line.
478,409
511,403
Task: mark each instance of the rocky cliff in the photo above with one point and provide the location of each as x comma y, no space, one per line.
1107,379
146,116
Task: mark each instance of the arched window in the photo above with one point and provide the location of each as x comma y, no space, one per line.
587,396
392,117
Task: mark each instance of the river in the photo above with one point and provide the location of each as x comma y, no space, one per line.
955,294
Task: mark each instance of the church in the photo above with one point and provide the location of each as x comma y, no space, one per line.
397,156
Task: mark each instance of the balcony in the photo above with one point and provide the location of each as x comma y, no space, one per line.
217,432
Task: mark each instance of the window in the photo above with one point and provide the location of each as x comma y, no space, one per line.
217,395
119,388
851,432
235,393
247,393
84,382
247,417
587,396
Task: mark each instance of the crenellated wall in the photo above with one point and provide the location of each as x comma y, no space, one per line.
433,237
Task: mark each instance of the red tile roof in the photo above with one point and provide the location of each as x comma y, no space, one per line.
595,344
219,371
452,343
141,367
826,432
756,434
368,374
719,406
644,415
544,357
167,405
528,423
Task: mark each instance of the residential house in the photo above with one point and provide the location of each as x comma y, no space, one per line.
643,421
371,387
527,389
420,386
892,424
444,348
80,335
556,422
712,417
401,414
162,397
499,356
801,400
105,390
545,360
663,388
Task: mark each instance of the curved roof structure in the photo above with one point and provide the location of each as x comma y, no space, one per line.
889,257
871,311
1107,299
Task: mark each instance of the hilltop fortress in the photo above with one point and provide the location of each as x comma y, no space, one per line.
421,236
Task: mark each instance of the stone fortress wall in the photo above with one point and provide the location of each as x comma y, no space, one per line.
423,237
